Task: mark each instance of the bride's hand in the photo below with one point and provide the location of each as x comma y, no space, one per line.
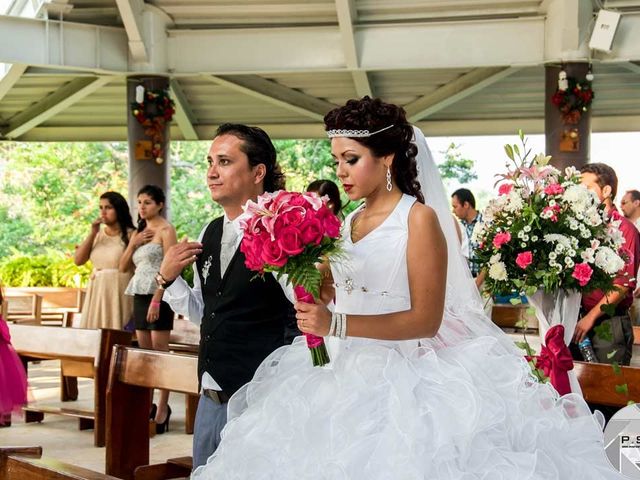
313,318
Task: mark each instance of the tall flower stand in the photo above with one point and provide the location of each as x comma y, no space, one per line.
557,315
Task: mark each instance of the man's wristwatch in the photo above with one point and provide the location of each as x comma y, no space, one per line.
162,282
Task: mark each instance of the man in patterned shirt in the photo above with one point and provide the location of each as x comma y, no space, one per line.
464,207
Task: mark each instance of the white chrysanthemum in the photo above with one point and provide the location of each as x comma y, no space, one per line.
568,261
498,271
534,238
558,238
578,197
514,203
553,256
478,231
495,258
608,260
527,228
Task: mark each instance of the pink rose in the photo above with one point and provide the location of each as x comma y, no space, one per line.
273,254
554,189
251,247
312,231
524,259
292,216
582,272
330,222
505,189
290,240
501,238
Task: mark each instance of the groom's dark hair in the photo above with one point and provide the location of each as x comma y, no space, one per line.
258,148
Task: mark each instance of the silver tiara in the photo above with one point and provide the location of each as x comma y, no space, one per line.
354,133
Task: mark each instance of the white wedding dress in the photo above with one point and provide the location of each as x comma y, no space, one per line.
438,409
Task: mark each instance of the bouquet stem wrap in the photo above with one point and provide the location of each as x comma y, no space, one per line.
316,345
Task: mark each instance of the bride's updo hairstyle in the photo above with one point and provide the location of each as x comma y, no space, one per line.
373,115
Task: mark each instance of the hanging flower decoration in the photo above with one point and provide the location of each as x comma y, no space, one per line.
572,98
153,109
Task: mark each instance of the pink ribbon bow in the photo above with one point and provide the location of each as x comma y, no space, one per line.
555,359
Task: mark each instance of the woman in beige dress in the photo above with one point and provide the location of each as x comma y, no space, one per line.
106,305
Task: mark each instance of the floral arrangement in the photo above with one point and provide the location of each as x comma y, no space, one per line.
153,109
572,98
546,231
289,233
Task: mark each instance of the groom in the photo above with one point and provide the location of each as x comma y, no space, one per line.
241,321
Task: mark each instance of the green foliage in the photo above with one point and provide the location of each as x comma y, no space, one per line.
304,161
49,195
52,269
191,204
455,167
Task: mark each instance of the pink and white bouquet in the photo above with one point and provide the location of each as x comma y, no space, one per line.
546,231
288,233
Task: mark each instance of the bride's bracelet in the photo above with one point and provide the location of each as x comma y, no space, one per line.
338,325
332,328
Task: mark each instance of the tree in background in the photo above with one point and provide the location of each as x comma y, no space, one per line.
49,191
455,167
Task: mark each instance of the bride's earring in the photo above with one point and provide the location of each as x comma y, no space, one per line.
389,184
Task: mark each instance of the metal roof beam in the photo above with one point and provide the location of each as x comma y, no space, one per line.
434,128
184,115
347,14
453,92
631,66
131,14
52,104
9,76
63,45
276,94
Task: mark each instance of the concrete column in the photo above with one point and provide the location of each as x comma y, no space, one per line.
562,137
151,170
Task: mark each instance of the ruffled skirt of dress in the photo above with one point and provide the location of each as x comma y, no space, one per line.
465,412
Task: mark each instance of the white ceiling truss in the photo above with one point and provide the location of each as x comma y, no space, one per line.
457,66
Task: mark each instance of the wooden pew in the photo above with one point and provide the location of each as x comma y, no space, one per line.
25,463
508,316
133,373
598,382
59,304
84,353
22,307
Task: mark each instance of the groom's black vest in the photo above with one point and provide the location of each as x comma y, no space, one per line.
244,316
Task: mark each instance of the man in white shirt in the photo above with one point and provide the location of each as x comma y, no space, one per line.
241,321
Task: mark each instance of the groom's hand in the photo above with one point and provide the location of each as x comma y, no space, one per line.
178,257
313,318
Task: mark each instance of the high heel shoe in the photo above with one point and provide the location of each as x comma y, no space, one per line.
153,411
164,426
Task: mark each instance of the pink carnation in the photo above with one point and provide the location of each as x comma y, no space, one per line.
551,213
554,189
505,189
524,259
501,238
582,272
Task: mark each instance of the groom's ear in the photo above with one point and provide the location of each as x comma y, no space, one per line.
259,172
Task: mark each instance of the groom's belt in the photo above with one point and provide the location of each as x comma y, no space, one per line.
215,395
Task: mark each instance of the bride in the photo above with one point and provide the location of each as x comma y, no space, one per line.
421,384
